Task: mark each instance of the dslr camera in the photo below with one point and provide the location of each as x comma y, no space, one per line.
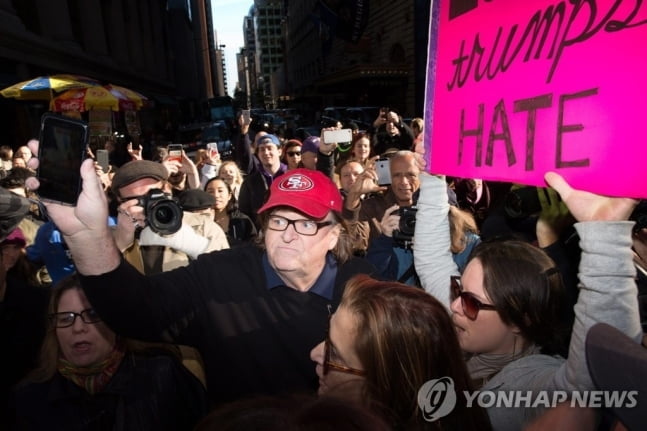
403,235
164,214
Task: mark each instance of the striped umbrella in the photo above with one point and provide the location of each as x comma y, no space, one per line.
126,93
45,87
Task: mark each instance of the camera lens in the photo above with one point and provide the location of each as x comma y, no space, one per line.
165,217
407,224
163,214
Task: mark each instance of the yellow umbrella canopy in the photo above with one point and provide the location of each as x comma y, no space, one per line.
127,93
86,99
45,87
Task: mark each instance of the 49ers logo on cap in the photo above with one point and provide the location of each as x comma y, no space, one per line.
296,183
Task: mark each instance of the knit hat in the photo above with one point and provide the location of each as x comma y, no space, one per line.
136,170
305,190
311,144
195,200
15,237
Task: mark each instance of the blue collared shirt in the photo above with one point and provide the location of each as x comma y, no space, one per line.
324,286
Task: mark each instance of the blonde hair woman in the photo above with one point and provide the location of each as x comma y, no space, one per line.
232,175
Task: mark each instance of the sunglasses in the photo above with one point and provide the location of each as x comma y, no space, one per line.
294,153
470,303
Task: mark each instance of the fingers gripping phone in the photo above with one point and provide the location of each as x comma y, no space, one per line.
247,118
383,169
175,152
337,136
62,149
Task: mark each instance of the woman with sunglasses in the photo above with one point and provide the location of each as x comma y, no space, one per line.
90,378
505,306
292,154
385,341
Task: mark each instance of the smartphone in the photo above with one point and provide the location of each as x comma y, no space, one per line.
62,149
102,159
246,114
337,136
383,169
175,152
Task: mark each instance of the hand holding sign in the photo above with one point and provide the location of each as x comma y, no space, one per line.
515,90
587,206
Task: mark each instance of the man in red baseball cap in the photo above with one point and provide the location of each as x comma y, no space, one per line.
254,313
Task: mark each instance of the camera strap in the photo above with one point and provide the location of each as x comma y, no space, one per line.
410,272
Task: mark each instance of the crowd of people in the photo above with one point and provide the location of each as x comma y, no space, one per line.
288,288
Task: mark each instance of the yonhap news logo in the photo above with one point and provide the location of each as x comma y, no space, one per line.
437,398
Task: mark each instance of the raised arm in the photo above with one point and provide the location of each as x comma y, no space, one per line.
84,226
606,274
432,243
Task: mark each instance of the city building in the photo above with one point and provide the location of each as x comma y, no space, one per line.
268,19
353,53
160,48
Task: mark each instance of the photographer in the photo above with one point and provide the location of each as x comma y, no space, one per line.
390,218
156,242
391,132
402,192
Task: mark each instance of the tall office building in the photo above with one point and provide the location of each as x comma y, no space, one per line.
254,97
268,18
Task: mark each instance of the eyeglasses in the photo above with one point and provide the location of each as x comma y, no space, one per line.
293,153
471,305
301,226
67,318
330,365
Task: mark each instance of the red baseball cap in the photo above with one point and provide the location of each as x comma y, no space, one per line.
309,192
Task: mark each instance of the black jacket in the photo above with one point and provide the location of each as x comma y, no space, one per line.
146,393
23,321
254,192
253,340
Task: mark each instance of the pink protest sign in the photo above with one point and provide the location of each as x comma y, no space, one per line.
519,88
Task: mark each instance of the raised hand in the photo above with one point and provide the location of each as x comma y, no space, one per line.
390,221
553,218
366,183
84,226
135,153
586,206
326,147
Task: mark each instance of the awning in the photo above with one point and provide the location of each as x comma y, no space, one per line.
364,71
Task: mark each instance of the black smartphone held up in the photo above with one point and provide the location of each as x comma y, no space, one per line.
62,149
383,169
